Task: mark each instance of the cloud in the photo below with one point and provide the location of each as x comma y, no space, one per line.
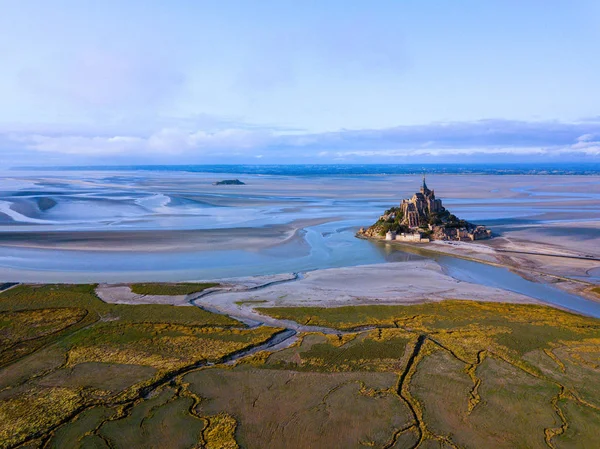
164,142
235,139
452,135
81,145
481,139
588,144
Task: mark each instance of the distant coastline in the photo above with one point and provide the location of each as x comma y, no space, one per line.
592,168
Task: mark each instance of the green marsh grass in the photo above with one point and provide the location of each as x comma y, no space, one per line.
171,289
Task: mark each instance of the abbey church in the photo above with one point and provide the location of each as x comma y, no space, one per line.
417,210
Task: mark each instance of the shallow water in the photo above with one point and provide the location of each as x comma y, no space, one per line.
478,273
331,245
328,245
101,201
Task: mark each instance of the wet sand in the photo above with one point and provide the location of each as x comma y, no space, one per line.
400,283
122,294
102,220
533,249
162,240
570,266
390,283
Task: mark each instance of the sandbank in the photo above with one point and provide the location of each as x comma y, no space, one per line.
163,240
399,283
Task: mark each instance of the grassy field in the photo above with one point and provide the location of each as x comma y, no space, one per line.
79,373
473,374
171,289
284,408
67,359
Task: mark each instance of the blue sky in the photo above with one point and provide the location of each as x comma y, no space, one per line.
86,82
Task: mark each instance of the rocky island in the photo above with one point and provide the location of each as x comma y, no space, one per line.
230,182
423,218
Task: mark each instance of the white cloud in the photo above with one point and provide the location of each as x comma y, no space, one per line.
586,138
587,144
478,139
81,145
166,141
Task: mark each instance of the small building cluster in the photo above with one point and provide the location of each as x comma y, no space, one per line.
463,234
415,237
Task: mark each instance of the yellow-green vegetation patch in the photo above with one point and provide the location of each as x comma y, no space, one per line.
526,399
31,324
27,412
582,430
439,315
475,374
70,352
250,301
162,346
378,350
518,328
24,331
447,374
220,432
341,339
575,365
437,376
167,289
27,297
596,290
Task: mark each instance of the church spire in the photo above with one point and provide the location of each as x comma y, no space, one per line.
424,188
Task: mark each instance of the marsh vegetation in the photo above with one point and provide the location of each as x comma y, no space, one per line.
186,288
71,366
78,372
471,374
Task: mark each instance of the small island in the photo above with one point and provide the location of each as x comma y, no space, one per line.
229,182
423,218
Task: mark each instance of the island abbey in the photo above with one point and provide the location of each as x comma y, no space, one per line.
417,210
423,218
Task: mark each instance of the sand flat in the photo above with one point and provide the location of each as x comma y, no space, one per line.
399,283
124,226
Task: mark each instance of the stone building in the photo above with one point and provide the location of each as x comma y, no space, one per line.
469,233
423,218
416,210
414,237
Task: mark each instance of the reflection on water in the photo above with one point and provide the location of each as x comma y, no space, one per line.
327,245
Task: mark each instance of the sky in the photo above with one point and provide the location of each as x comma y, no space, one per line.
278,81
